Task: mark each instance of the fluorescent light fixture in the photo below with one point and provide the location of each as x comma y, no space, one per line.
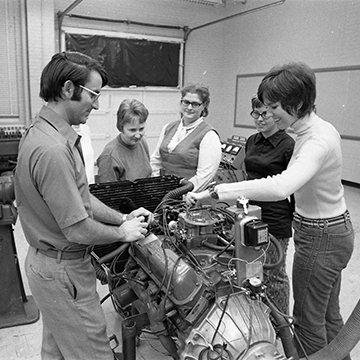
208,2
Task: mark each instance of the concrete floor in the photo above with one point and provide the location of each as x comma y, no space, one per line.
24,342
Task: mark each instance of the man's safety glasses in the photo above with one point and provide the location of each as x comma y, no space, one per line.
93,94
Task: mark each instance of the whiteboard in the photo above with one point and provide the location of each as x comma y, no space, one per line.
246,88
338,96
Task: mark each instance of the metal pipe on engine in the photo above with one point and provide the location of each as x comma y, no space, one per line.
129,340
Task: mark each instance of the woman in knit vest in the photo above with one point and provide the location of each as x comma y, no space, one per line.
189,148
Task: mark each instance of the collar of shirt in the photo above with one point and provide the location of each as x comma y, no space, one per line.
303,123
191,126
58,123
274,139
182,131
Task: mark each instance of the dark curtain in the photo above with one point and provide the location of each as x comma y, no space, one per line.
130,62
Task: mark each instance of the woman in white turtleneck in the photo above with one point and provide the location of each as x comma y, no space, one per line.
323,232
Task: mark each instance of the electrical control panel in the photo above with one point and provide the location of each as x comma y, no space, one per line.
233,151
9,142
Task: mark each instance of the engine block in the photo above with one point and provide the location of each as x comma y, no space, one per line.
184,281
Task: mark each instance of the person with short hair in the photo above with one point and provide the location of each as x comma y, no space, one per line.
323,232
127,156
189,148
268,153
61,220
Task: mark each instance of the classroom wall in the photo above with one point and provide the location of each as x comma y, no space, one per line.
41,44
321,33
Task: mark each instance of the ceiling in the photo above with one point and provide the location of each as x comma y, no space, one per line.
189,13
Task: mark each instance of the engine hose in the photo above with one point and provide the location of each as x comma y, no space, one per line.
178,192
112,254
279,251
211,246
286,335
100,272
344,341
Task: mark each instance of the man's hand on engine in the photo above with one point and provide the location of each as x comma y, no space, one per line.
148,216
133,229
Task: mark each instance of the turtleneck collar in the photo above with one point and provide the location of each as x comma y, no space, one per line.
303,123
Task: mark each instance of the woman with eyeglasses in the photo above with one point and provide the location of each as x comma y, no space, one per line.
189,148
268,153
323,231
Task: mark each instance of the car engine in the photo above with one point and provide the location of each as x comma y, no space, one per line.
196,282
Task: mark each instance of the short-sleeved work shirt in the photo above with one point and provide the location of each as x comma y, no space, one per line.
51,188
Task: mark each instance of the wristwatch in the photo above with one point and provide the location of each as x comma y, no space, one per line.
212,192
214,195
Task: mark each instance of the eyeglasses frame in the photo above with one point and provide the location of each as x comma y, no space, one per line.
260,114
94,93
194,104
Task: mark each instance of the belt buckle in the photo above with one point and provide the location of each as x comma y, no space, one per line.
322,223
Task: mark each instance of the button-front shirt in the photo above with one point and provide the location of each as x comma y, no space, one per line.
266,157
51,188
